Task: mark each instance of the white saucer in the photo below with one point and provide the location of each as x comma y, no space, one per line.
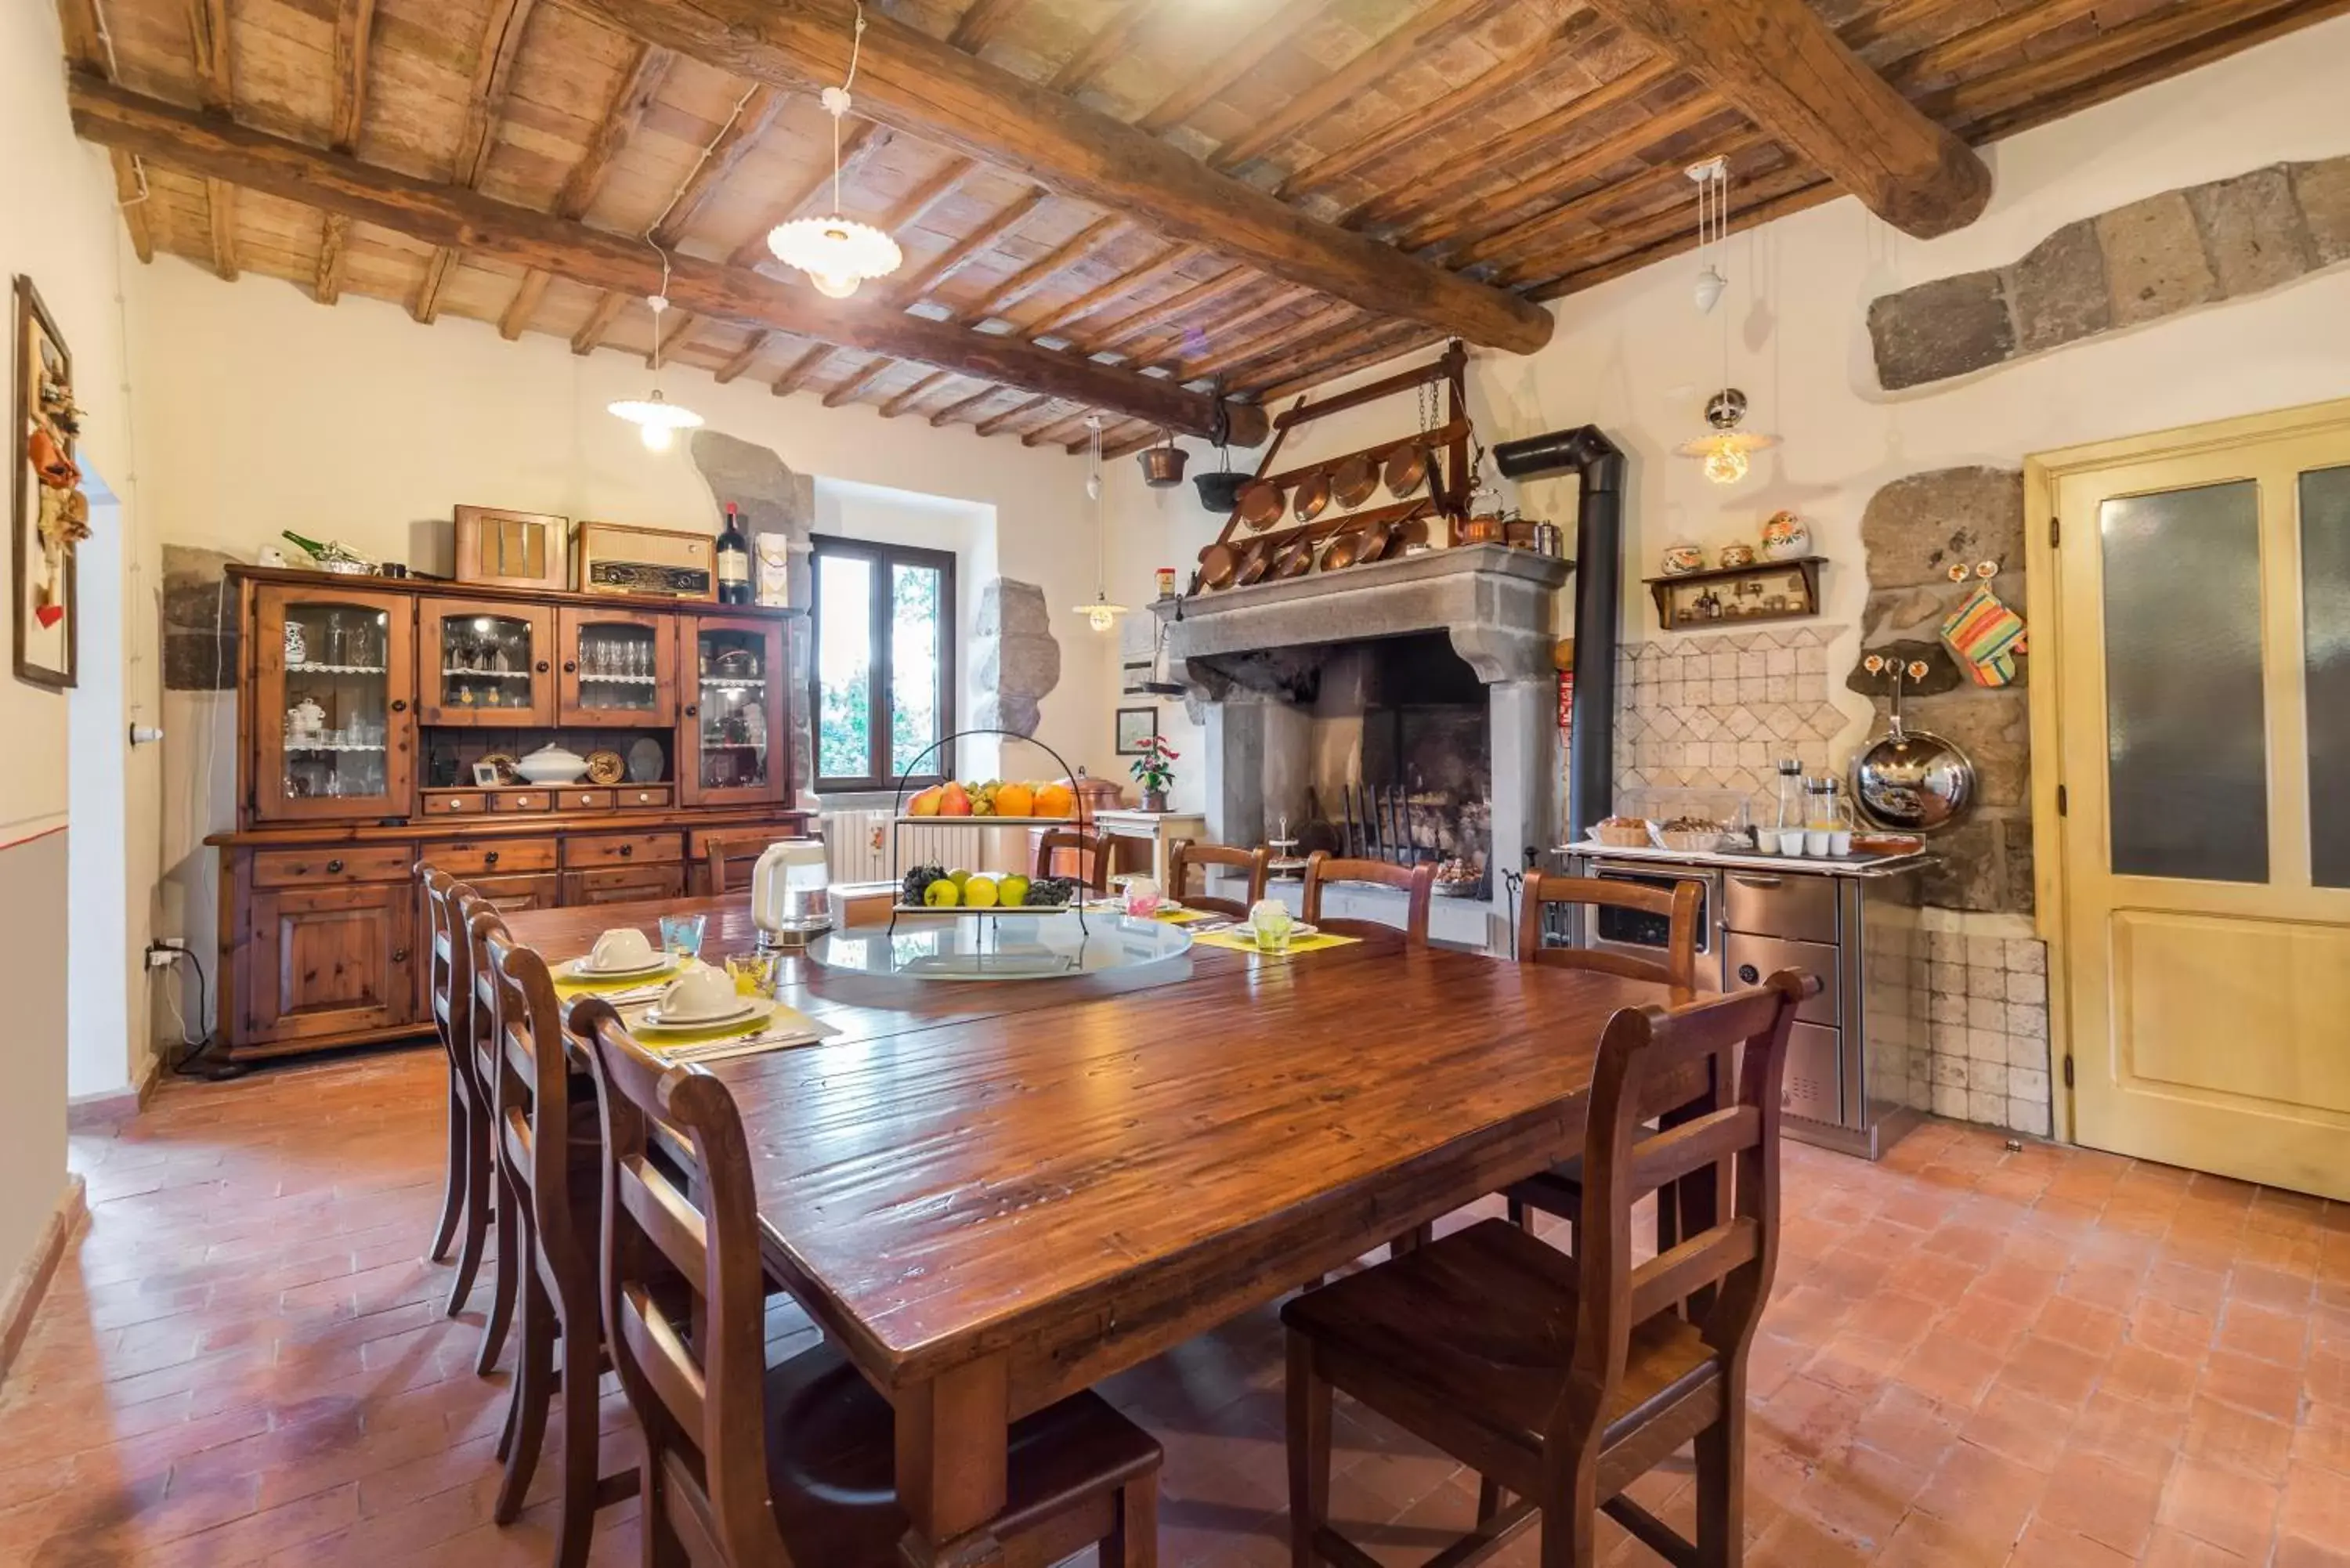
580,969
743,1014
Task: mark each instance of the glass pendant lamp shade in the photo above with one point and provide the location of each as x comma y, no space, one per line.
657,418
837,254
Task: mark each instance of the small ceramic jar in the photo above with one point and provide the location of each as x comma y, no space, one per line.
1785,538
1736,556
1683,560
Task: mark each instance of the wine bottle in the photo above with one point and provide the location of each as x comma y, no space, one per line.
325,552
733,562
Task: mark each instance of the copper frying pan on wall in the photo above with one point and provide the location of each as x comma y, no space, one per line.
1313,495
1260,502
1253,565
1295,561
1216,566
1406,469
1355,479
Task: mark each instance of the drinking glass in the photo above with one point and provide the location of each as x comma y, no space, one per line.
681,935
1269,921
753,972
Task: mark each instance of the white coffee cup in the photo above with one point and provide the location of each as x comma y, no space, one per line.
706,991
1815,842
1791,841
622,947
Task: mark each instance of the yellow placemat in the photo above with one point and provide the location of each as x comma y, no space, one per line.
783,1026
1241,944
567,984
1172,917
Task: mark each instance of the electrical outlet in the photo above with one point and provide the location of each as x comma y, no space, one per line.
177,944
161,955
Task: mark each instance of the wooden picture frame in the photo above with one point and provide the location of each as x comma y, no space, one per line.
46,619
513,549
1136,725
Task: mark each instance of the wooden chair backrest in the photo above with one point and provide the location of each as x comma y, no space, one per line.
1093,845
1648,1057
446,959
727,860
698,1386
1183,855
1677,968
1418,884
533,1093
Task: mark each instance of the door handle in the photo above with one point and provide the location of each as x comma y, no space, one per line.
1759,881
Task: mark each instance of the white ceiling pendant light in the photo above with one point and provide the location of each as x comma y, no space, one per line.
836,253
657,418
1725,449
1100,614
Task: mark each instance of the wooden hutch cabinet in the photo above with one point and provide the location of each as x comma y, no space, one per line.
364,705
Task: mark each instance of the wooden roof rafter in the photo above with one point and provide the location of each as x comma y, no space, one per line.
494,62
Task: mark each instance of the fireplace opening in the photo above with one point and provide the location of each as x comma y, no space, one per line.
1400,757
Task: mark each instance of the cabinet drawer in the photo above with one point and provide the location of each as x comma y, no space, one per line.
511,894
318,868
1753,960
623,884
1768,904
574,799
623,848
1813,1085
521,799
491,857
454,802
642,797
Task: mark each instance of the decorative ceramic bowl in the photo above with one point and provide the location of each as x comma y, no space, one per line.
1785,538
552,765
1683,560
1736,556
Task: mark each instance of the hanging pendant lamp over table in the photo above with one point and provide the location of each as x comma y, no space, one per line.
836,253
1100,614
657,418
1726,449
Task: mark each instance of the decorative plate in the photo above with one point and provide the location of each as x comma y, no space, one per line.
645,761
605,767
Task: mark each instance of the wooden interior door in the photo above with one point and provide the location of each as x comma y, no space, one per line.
2202,709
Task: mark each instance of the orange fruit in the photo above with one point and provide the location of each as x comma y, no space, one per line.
1056,800
1015,800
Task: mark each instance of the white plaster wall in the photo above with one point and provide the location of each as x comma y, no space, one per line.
1636,359
62,232
261,410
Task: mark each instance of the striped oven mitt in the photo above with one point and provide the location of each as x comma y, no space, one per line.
1985,636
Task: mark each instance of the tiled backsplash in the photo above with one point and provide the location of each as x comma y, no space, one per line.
1717,712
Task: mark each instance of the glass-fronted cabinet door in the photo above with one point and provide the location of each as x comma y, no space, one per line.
333,732
732,733
485,662
619,668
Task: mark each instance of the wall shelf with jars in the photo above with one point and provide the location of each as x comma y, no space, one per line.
1738,595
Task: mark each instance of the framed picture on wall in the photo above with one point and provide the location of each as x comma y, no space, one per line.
1135,725
50,514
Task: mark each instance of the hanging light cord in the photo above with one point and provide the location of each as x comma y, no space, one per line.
837,106
114,74
659,301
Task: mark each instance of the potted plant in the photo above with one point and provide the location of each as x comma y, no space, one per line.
1154,770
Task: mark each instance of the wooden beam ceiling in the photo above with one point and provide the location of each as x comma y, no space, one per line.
1787,71
451,216
216,91
354,36
493,59
924,87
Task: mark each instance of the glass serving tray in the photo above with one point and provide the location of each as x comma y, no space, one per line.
1012,947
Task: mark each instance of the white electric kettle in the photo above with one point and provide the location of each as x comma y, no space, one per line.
788,892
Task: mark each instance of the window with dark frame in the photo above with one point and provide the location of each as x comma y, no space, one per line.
884,630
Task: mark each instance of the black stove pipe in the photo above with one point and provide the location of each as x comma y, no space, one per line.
1598,567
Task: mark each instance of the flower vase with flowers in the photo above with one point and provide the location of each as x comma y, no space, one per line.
1154,770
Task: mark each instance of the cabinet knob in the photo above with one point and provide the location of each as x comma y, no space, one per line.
491,858
400,955
400,704
334,867
570,667
542,667
692,710
1749,975
627,850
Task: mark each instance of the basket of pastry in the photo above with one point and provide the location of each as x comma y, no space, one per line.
1622,832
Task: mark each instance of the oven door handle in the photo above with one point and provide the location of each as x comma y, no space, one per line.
1759,881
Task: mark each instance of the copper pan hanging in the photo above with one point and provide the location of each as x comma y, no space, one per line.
1216,566
1405,468
1296,560
1253,565
1260,502
1351,484
1341,553
1313,495
1377,540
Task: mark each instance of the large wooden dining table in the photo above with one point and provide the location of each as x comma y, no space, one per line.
989,1194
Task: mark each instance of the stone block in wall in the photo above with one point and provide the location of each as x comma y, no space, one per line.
768,496
1940,329
200,642
1016,660
2155,265
1915,529
2321,191
2058,290
2252,230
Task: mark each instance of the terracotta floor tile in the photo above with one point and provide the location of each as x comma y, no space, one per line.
1972,1356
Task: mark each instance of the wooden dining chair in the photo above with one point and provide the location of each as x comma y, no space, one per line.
1183,855
1094,846
749,1465
472,919
1561,1379
1559,1191
466,1204
1417,883
551,1150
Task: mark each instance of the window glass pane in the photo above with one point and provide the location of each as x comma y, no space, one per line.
2187,729
2325,618
917,632
844,666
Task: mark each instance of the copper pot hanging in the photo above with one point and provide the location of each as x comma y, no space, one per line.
1163,465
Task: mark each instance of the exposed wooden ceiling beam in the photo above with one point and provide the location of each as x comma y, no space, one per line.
1218,329
1236,356
1425,29
857,381
1017,412
1785,68
86,47
966,250
942,417
1029,278
914,394
1104,46
639,81
354,39
216,91
1055,431
600,317
1093,299
744,358
857,146
131,198
797,373
1791,191
449,216
1141,320
977,26
1205,78
1595,206
918,84
493,61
